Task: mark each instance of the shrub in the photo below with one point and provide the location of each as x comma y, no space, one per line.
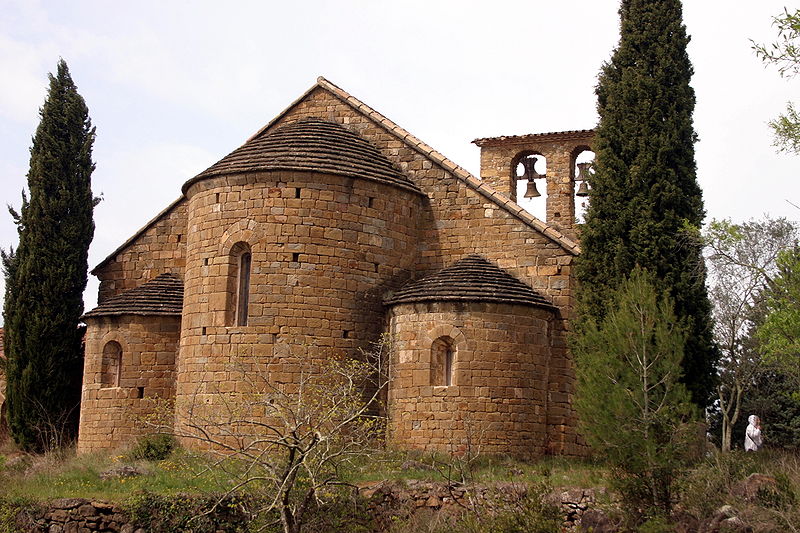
532,513
342,511
154,447
717,481
15,514
706,488
189,514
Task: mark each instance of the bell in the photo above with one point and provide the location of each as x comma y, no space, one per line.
583,189
529,163
583,171
531,191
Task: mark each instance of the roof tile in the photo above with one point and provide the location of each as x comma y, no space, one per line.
162,295
472,279
313,145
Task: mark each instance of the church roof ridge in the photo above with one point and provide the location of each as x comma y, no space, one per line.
138,233
461,173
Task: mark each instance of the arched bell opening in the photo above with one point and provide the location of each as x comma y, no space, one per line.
529,170
581,174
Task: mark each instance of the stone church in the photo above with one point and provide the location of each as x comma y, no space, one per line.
327,228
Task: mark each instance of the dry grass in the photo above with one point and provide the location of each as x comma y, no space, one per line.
705,489
400,465
718,481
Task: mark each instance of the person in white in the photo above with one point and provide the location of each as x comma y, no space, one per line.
752,435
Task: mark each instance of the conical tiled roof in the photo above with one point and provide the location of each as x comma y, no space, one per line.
471,279
162,295
313,145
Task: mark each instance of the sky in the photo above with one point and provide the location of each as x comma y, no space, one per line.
174,86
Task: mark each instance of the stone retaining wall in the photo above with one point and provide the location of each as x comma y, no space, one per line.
387,498
79,515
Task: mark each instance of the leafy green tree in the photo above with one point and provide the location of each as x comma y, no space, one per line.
779,334
46,275
785,54
632,360
743,261
771,398
646,203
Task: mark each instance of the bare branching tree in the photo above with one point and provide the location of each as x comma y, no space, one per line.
742,262
290,439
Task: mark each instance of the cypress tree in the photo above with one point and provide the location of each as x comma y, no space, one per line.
46,275
646,204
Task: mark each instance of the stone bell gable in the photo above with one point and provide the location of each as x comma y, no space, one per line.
327,228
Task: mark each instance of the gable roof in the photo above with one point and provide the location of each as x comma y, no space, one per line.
162,295
501,200
136,235
470,279
310,144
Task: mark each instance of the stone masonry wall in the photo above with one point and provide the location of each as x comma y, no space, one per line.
324,250
114,416
498,399
323,261
455,221
160,248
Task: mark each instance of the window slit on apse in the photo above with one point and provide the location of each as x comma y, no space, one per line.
243,290
442,356
111,365
448,366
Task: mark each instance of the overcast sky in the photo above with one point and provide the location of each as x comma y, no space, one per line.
172,87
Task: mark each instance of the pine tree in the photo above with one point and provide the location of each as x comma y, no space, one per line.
645,198
46,275
632,361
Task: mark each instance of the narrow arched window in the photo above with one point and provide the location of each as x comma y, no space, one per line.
111,365
448,366
442,362
239,264
243,289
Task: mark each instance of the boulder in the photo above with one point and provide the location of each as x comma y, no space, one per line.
749,488
596,521
123,471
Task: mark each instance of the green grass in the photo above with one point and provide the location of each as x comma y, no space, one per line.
704,489
68,475
79,476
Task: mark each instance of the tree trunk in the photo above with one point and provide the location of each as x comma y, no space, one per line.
727,429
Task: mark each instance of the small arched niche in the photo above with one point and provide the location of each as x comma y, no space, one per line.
537,206
111,365
240,260
582,161
443,353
